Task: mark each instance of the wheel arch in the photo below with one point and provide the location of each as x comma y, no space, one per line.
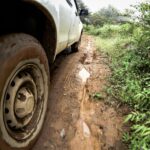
32,18
49,41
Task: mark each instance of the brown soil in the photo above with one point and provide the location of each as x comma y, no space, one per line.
75,120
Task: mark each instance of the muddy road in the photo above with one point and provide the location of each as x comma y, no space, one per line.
75,120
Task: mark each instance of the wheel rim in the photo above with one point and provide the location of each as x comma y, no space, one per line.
23,101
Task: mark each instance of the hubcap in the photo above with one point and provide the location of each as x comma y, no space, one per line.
24,104
20,104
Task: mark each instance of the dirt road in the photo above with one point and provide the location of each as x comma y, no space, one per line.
75,120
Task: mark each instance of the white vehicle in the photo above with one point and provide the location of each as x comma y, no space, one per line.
32,33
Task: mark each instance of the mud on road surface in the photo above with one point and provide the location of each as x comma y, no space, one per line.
75,121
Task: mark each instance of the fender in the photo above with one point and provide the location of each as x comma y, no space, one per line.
51,11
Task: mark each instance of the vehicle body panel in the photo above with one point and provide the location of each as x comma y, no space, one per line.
66,19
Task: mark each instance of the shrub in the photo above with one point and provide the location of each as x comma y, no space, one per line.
128,45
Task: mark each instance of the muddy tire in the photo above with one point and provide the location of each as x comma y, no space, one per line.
24,86
75,46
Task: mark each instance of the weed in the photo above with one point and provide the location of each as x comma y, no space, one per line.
97,96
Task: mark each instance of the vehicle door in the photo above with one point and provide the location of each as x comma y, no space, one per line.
65,22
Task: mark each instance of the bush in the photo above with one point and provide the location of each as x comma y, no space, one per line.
108,31
131,83
128,45
126,29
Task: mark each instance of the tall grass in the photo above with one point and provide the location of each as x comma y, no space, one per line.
128,46
110,30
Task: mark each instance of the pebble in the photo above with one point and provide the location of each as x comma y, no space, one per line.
86,130
63,133
47,144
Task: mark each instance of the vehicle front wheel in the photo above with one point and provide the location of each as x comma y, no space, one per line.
24,87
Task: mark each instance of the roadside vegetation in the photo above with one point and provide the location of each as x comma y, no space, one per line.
128,47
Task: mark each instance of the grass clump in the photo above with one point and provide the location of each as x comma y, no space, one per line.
97,96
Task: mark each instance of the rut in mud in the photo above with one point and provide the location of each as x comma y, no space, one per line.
75,121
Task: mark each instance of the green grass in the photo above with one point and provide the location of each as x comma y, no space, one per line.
97,96
108,31
109,45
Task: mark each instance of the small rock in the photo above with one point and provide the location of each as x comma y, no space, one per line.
84,75
63,133
86,130
52,147
47,144
82,139
92,112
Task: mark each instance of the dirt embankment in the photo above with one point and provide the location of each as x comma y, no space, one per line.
75,121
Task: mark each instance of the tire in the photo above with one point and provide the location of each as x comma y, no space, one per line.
24,87
75,46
